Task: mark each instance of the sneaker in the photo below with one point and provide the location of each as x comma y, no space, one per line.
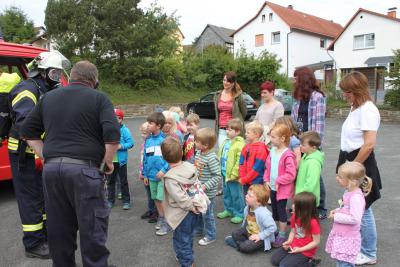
40,252
146,215
230,242
119,196
364,260
224,214
237,220
153,218
110,204
126,206
206,241
165,229
322,214
159,223
314,262
278,242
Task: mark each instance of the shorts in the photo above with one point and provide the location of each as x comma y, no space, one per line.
157,190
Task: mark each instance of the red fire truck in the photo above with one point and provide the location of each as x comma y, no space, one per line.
13,59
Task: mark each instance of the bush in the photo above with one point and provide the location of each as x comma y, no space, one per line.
392,98
191,71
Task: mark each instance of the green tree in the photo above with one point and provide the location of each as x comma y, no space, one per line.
71,24
394,73
392,97
16,26
252,71
110,29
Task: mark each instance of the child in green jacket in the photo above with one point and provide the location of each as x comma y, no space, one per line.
311,164
229,154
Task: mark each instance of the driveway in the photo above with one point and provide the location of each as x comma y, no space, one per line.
133,242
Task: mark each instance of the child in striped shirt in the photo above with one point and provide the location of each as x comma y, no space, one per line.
209,173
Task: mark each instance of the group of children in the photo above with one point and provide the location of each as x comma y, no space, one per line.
181,172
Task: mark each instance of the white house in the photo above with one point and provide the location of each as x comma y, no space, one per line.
366,44
297,38
42,39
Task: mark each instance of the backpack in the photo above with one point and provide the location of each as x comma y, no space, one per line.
7,82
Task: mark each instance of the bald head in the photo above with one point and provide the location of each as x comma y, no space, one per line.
84,71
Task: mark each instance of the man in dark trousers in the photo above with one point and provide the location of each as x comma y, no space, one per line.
81,132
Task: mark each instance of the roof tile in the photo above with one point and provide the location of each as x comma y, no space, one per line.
301,21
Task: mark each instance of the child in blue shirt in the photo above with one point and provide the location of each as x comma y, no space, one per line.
154,168
258,227
120,165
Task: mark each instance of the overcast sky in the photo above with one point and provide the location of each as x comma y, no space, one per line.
195,15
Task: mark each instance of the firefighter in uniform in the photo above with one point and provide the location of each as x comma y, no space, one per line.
46,72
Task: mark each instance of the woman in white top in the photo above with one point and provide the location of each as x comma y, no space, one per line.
357,142
270,109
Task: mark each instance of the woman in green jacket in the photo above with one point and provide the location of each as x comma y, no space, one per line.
229,104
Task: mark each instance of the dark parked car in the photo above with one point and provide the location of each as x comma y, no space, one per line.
286,98
205,106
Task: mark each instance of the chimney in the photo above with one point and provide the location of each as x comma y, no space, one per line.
392,12
290,6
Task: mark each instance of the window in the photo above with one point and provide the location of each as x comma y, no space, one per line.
207,98
259,40
364,41
322,43
270,16
229,47
262,18
276,37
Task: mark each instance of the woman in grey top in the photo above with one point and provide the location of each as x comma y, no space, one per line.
270,109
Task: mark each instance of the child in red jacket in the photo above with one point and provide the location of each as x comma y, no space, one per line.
253,156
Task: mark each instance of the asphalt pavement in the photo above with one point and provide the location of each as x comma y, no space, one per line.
133,242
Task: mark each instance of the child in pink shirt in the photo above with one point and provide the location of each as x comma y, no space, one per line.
344,241
279,176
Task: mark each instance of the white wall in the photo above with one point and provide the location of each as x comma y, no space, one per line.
387,38
246,37
303,48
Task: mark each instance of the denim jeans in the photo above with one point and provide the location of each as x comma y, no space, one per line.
182,240
344,264
368,234
221,137
207,224
150,203
233,198
322,195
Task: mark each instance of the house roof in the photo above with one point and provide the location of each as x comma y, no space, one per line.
297,20
223,33
373,61
331,46
319,65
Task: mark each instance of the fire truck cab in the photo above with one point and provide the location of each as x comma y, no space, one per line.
13,59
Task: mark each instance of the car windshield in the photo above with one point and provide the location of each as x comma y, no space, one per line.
207,98
248,98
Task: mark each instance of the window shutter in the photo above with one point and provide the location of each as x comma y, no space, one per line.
259,40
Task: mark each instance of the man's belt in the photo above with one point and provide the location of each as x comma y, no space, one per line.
67,160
